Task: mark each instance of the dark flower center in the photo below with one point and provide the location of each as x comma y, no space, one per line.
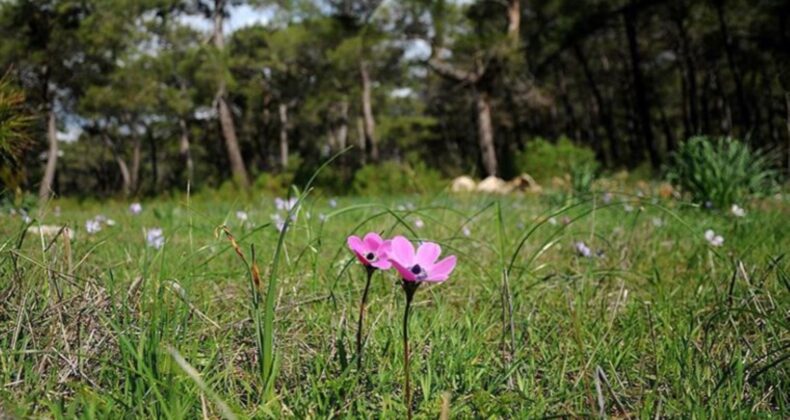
416,269
370,256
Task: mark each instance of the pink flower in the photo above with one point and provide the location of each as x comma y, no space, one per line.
422,265
371,251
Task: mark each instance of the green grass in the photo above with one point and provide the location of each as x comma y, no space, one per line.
660,325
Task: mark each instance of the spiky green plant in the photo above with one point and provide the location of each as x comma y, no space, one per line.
721,171
14,131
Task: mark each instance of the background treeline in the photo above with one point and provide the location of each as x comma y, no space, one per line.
424,88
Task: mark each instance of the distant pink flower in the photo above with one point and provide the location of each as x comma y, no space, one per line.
421,265
371,251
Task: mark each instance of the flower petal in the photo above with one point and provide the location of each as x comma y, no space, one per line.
373,241
382,263
402,252
427,254
356,244
358,248
442,269
404,272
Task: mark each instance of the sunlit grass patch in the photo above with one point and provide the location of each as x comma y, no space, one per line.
653,321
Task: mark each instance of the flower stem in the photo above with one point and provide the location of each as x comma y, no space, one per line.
370,271
410,288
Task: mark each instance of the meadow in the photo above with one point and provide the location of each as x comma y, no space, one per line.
608,305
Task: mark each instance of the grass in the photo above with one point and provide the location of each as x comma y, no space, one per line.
661,324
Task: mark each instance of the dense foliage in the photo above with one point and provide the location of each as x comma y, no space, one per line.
155,94
544,159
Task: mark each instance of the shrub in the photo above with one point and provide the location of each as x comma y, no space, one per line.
582,178
722,171
396,178
334,179
15,125
274,183
543,159
278,183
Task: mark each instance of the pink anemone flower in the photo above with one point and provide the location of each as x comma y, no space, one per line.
371,251
421,265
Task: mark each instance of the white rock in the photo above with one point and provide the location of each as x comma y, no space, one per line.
463,184
493,185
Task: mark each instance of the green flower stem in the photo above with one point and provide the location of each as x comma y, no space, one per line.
370,271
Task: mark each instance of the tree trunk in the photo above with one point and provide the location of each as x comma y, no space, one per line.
283,136
45,188
485,132
787,121
640,87
134,175
603,109
367,111
513,20
185,150
154,162
361,141
736,75
705,104
342,129
263,147
668,134
225,116
331,145
690,77
126,177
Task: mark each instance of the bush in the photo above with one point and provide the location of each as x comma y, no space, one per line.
396,178
723,171
15,125
274,183
543,159
582,178
334,178
278,183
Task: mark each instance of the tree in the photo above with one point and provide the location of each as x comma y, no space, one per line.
44,40
237,165
486,62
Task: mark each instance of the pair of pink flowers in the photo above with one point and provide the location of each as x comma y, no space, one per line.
414,267
418,265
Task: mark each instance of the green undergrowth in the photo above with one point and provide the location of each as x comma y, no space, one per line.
656,323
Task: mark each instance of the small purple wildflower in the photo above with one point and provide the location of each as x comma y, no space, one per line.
285,205
135,208
582,249
714,239
155,238
92,226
